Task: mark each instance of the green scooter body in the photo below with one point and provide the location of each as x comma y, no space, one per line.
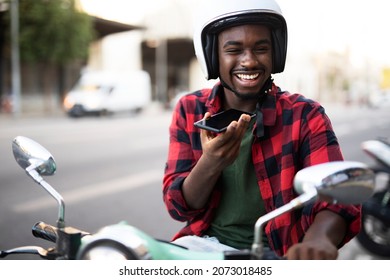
143,246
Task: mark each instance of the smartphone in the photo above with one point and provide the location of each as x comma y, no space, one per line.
220,121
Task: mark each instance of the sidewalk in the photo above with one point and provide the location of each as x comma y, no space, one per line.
154,108
334,110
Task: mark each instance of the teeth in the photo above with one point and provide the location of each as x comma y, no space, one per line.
247,77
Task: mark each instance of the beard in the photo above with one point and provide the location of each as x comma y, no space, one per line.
243,96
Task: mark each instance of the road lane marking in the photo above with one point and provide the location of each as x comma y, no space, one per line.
94,191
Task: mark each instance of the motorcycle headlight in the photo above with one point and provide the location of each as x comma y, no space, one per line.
116,242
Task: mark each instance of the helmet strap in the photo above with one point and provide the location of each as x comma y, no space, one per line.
267,87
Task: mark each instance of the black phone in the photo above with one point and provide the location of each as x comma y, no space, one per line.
220,121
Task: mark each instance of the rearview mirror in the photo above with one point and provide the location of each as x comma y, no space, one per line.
344,182
38,161
30,154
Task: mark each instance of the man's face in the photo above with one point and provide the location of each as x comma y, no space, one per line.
245,59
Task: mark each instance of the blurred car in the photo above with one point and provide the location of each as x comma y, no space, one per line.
102,92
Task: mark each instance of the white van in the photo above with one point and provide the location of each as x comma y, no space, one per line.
102,92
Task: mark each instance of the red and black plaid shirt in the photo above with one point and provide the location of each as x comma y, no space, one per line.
297,134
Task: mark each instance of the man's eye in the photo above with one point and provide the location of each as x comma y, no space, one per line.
262,49
233,51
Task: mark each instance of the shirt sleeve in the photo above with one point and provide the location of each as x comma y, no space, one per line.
184,150
319,142
320,145
350,213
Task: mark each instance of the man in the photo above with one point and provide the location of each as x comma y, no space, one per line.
220,184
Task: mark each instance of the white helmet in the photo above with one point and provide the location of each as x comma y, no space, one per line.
219,15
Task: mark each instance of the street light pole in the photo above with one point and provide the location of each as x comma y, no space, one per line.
15,64
162,70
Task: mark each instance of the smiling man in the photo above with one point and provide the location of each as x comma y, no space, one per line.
220,184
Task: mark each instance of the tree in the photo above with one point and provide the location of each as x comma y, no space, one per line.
52,34
53,31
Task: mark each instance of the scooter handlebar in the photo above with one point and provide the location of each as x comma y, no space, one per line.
45,231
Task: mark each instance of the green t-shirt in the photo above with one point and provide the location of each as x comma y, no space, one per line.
241,203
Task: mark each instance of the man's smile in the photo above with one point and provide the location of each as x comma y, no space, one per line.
248,76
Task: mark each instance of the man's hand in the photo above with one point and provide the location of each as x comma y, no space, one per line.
219,150
321,239
313,250
223,148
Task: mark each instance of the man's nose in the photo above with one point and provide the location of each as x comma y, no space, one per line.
249,59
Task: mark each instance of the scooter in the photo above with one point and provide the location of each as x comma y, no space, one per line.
375,233
343,182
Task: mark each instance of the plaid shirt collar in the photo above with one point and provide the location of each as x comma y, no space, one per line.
267,106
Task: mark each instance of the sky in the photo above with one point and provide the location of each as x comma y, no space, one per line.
356,26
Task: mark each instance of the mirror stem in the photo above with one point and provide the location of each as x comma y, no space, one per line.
257,247
61,204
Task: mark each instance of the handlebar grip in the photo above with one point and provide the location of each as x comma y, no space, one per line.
45,231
